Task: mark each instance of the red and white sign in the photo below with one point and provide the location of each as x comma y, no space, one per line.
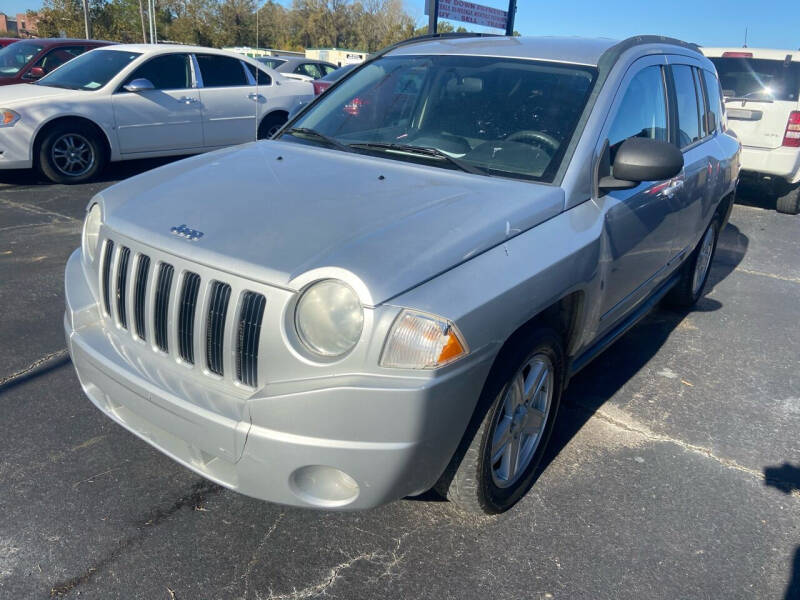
469,12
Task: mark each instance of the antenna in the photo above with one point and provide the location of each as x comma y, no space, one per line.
745,38
258,103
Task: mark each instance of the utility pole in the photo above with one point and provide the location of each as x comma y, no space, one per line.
512,12
86,22
433,15
141,16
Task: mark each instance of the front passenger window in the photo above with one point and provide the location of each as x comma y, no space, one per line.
643,110
165,72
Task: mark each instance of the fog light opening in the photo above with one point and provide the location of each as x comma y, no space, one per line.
323,486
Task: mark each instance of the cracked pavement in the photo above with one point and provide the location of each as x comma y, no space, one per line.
674,471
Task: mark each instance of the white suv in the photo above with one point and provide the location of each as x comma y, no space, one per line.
762,89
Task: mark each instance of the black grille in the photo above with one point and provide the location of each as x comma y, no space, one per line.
107,275
215,325
139,298
249,331
122,280
165,272
191,285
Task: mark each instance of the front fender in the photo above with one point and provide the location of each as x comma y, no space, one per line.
492,295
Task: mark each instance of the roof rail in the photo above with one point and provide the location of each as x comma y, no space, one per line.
637,40
428,37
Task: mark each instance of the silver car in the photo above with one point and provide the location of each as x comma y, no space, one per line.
392,295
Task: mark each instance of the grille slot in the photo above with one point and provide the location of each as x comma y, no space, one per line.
249,331
107,275
140,297
122,282
163,286
191,285
215,326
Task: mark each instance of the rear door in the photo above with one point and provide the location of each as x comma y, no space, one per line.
691,134
759,95
230,103
165,118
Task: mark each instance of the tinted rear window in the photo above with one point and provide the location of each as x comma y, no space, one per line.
758,78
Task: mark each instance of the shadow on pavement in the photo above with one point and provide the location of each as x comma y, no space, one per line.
601,379
115,171
786,478
758,195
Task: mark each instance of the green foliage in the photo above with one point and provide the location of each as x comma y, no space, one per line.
366,25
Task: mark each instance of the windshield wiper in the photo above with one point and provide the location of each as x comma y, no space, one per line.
313,133
423,151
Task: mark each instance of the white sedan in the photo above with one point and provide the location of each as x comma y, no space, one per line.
137,101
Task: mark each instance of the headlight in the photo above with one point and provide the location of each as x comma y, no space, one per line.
422,341
329,318
8,117
91,231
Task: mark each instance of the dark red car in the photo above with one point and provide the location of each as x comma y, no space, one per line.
28,60
6,41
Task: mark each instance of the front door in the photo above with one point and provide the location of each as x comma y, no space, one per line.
639,222
166,118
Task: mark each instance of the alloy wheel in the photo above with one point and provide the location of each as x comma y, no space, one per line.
520,421
72,155
703,261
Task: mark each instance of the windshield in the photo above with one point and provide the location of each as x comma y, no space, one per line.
15,56
497,116
272,63
758,79
89,71
338,73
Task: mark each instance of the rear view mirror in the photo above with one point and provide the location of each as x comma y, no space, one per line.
642,159
139,85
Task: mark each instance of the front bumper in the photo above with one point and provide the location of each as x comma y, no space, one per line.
15,147
777,162
398,432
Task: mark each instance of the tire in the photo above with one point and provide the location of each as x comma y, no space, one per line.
475,482
694,272
789,203
270,125
66,143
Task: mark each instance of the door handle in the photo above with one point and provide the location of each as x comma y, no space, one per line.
256,97
188,100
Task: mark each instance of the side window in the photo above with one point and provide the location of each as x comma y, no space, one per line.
714,93
309,69
263,78
689,111
57,57
643,110
165,72
327,69
221,71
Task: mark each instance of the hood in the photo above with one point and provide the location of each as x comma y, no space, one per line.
25,92
271,211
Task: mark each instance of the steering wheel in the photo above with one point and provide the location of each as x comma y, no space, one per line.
539,138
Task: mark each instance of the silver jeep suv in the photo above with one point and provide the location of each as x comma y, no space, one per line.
393,293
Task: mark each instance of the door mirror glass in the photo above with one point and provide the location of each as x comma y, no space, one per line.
643,159
35,73
139,85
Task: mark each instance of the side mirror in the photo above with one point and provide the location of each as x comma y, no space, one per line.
35,73
139,85
642,159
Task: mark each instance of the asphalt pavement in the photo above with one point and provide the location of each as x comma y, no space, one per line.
674,471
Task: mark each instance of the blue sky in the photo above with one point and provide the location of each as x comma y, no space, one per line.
706,22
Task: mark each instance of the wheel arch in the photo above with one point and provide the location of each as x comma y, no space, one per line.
273,113
48,125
